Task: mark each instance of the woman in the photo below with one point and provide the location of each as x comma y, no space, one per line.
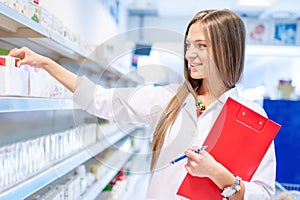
214,59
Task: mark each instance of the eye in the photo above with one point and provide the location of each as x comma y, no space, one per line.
201,46
187,46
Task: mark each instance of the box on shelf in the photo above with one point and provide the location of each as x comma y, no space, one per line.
13,80
14,4
23,7
57,26
46,18
35,82
5,2
28,8
42,84
33,10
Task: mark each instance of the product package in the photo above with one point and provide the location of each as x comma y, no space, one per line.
46,18
13,80
33,10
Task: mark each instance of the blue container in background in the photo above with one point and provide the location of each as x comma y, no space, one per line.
287,141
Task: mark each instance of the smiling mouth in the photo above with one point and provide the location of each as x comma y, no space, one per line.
193,67
194,64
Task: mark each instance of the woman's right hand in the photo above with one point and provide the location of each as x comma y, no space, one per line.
29,57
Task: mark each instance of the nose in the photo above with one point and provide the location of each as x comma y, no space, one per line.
190,53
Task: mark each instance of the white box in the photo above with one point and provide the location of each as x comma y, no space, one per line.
23,7
14,4
57,26
13,80
36,82
5,2
42,84
46,18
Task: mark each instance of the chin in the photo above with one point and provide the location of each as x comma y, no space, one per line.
196,76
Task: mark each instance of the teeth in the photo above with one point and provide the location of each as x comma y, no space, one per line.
194,65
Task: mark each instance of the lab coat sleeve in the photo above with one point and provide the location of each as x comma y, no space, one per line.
142,104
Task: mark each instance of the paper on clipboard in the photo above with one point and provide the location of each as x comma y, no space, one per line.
238,140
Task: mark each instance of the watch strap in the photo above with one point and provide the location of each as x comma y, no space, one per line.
231,190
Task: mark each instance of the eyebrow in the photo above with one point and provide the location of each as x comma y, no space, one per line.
198,40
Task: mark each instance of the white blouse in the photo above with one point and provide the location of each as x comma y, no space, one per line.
144,104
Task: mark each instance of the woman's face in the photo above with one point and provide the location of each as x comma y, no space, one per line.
197,52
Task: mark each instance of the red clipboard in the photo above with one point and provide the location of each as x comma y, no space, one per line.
239,140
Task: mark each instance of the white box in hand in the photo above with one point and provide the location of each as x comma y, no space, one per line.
13,80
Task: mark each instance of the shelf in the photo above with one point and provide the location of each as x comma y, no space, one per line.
16,104
17,30
14,24
136,180
97,187
32,184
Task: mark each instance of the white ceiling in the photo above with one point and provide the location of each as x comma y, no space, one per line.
187,8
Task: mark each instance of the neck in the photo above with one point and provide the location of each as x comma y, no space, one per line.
208,93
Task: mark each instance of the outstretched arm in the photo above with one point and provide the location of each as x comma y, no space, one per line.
64,76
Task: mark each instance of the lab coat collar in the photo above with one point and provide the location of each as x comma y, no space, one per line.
233,93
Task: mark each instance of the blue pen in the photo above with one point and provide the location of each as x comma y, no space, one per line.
184,156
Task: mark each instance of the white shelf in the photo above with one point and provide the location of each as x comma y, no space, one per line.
136,183
17,30
97,187
32,184
15,104
14,26
14,23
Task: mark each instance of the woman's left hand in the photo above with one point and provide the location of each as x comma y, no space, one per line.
203,164
200,164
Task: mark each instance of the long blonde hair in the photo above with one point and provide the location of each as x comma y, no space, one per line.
225,33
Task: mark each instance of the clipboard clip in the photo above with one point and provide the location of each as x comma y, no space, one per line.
251,118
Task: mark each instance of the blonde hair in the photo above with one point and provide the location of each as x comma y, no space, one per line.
225,33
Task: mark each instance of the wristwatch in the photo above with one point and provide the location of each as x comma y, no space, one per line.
231,190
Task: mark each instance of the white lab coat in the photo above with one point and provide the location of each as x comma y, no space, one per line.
144,104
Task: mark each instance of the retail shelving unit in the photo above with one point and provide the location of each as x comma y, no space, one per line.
57,170
22,118
17,30
19,104
118,161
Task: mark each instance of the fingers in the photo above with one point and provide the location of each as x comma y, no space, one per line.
202,154
12,52
190,154
22,53
15,52
21,62
188,169
193,148
195,156
18,52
